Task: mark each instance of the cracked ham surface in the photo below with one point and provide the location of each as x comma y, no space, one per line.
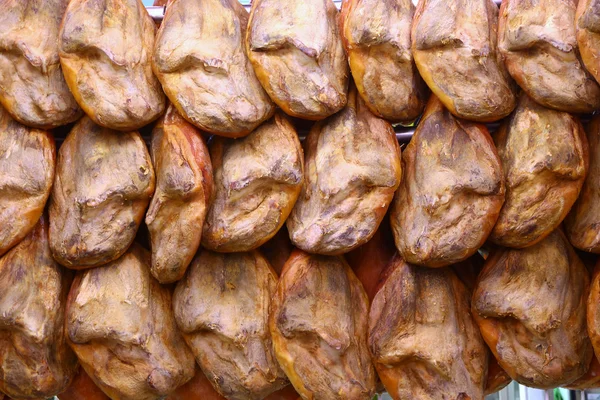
222,310
353,168
452,182
184,186
105,49
35,359
318,322
120,323
27,167
538,42
546,345
297,53
103,184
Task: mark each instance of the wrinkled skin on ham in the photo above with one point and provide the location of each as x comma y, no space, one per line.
583,222
297,53
538,42
410,310
545,345
452,182
35,360
184,185
353,168
376,36
592,377
120,323
105,49
104,181
201,61
32,86
467,271
587,25
257,181
454,46
318,322
27,166
222,310
544,156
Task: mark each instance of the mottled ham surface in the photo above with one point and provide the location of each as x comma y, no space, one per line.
538,42
120,323
105,49
32,85
184,186
35,360
298,56
104,181
352,171
201,61
27,166
454,46
376,35
319,326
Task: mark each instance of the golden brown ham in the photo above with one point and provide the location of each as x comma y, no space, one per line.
583,222
544,156
587,25
201,61
121,326
530,305
257,181
27,164
297,53
454,46
222,309
319,325
592,377
353,169
184,185
105,49
451,193
83,388
376,36
35,360
467,271
277,251
104,181
538,42
32,86
423,340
